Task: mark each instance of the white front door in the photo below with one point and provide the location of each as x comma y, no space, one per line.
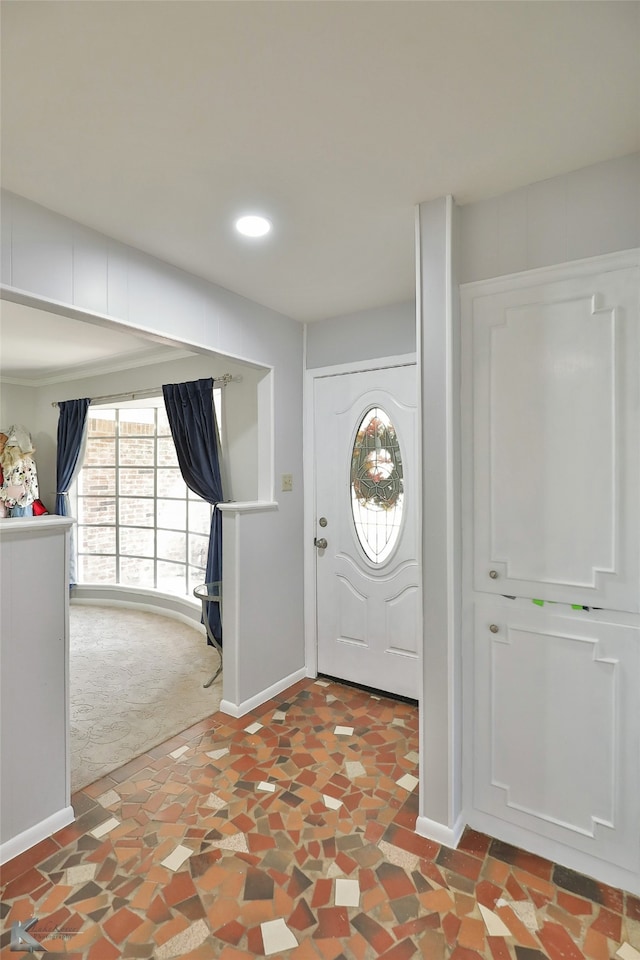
368,611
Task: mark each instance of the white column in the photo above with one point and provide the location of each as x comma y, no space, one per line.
440,814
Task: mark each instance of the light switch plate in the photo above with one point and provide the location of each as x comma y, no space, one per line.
287,482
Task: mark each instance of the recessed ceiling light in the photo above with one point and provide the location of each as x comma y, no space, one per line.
253,226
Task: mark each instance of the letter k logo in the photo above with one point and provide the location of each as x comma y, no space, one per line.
21,940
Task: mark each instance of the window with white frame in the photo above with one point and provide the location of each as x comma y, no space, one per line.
138,523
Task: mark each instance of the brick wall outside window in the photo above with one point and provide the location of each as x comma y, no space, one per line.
138,524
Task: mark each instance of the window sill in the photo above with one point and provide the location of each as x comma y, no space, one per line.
248,506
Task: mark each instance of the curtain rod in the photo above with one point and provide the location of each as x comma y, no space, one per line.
151,392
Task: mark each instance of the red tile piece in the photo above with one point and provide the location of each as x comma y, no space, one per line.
332,922
608,923
558,943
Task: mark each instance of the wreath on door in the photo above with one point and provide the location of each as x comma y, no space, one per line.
376,462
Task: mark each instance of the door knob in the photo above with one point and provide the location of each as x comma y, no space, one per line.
493,574
321,544
494,628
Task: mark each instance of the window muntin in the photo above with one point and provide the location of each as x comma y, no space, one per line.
376,485
138,524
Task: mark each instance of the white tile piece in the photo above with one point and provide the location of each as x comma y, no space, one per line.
184,942
216,754
253,727
502,903
408,782
355,769
109,799
374,696
343,731
83,872
398,856
276,937
412,757
332,802
495,926
104,828
279,715
178,753
266,787
175,860
347,893
526,912
237,842
333,870
330,698
627,952
322,683
214,802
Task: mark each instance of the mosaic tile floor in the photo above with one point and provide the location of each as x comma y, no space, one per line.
289,833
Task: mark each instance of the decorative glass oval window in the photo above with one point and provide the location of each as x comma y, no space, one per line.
377,491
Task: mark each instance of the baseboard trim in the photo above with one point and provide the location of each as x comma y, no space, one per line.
40,831
239,710
432,830
144,608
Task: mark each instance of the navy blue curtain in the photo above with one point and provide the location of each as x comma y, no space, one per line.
72,420
192,419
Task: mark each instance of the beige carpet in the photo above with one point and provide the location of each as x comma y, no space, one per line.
136,680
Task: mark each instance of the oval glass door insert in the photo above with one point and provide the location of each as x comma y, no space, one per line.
377,490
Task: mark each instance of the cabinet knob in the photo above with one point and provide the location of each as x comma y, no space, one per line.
494,628
493,574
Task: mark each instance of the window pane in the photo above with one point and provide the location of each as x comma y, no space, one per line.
196,578
171,484
136,543
96,510
163,423
377,490
167,452
97,482
199,516
172,514
101,423
136,483
172,546
172,577
97,539
135,513
96,569
100,452
198,549
137,422
137,451
136,573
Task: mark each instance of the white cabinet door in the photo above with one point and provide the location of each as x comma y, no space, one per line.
554,361
555,724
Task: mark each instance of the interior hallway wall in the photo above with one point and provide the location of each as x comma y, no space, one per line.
365,335
45,255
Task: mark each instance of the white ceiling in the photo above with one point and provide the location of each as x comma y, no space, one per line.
159,122
41,348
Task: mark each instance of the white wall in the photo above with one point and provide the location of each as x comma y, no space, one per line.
48,256
365,335
585,213
17,405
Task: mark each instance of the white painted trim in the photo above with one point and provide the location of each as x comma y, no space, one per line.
144,608
239,710
557,271
309,479
11,526
432,830
601,870
248,506
362,366
39,831
60,308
